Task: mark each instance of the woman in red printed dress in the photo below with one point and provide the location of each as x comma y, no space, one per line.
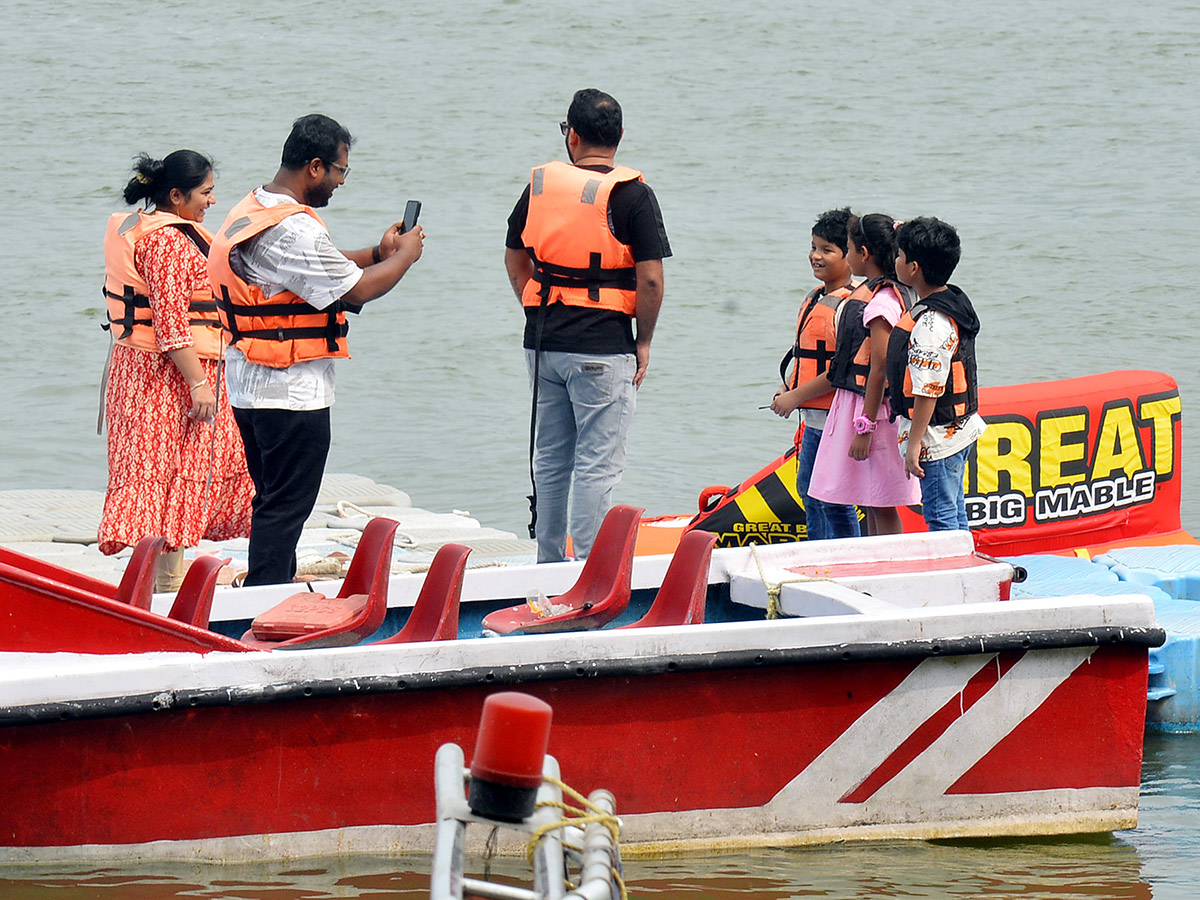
176,466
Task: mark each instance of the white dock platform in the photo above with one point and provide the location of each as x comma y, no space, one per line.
60,526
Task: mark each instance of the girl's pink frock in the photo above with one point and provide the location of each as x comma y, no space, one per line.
879,480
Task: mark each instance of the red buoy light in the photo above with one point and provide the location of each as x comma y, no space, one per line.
506,769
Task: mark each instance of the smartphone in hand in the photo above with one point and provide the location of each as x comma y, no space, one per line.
411,211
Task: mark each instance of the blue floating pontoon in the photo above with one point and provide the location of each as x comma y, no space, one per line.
1170,576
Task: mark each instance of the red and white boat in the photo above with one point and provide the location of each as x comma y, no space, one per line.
900,695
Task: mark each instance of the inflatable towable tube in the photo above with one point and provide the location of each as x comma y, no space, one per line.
763,509
1091,461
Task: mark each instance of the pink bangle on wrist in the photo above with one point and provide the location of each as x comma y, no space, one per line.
863,425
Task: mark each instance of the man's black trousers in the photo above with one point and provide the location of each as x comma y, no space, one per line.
285,455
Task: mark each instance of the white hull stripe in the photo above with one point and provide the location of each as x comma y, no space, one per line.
1013,698
877,734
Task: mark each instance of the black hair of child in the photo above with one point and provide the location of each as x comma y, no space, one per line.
877,233
831,226
933,245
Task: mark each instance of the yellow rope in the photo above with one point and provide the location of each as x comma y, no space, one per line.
586,813
620,882
774,611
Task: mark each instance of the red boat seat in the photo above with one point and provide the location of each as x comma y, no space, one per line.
600,595
434,616
309,619
193,601
307,613
137,584
681,599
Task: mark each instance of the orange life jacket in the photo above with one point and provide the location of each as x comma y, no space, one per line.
816,340
281,330
576,258
852,360
128,296
961,396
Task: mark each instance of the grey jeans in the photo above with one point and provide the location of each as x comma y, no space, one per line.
585,405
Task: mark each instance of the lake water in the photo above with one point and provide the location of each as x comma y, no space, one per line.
1062,139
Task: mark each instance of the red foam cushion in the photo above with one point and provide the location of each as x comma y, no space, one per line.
307,613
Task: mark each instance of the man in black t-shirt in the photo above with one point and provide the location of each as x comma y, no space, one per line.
584,255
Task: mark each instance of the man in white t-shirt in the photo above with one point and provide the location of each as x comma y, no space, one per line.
283,289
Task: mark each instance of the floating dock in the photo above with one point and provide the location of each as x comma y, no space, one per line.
60,526
1170,576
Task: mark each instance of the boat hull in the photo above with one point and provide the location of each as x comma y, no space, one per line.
1022,717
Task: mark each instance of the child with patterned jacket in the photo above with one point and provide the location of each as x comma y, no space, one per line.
932,381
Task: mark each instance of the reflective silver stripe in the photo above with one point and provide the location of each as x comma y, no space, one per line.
539,176
589,191
128,224
237,226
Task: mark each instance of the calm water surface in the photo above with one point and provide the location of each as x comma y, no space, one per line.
1062,139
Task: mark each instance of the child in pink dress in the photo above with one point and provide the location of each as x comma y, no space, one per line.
859,461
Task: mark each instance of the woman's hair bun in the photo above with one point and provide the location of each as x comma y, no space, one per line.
146,171
154,179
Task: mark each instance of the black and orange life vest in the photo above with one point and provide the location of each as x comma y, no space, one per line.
127,295
576,259
961,395
816,340
852,361
278,331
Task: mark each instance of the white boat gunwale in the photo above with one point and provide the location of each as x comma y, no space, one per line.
48,688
